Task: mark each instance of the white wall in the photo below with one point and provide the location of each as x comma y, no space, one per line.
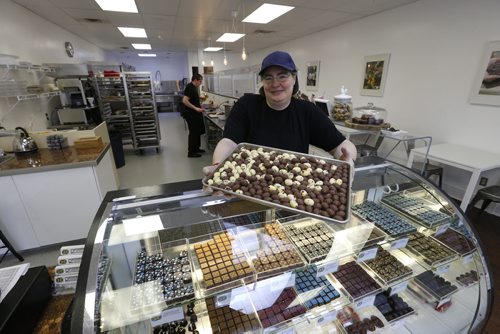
436,49
172,67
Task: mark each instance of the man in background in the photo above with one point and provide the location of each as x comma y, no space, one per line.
193,116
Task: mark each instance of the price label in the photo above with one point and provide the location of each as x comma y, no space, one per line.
399,287
468,259
327,318
442,269
366,301
223,300
400,243
443,301
327,268
442,229
167,316
367,254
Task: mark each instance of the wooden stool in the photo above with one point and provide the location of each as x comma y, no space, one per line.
488,195
8,245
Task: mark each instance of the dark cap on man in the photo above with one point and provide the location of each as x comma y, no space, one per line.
278,58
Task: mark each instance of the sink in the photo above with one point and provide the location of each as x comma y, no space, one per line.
5,158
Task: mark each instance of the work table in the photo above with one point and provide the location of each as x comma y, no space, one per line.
48,160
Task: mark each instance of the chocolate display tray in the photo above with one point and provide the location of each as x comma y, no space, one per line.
426,293
423,202
459,249
379,277
422,259
280,206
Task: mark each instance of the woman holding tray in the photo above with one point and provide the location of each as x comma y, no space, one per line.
274,118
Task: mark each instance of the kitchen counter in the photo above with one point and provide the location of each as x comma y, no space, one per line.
49,160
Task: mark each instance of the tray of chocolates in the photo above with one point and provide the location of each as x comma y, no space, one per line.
274,253
227,320
469,278
429,250
315,291
433,284
392,307
189,231
456,241
312,237
352,322
387,268
285,307
220,263
318,187
383,218
416,208
188,323
355,280
169,276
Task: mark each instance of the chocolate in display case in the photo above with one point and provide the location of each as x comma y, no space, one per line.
181,260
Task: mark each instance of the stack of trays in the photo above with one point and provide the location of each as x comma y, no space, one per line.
435,285
384,218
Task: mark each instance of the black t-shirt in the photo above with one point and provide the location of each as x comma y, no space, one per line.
294,128
192,93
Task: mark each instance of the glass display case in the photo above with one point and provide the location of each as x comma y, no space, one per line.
368,117
175,259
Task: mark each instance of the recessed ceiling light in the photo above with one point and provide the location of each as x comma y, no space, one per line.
212,49
133,32
147,54
229,37
141,46
266,13
127,6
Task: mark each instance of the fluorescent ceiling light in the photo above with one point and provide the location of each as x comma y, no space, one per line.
147,54
127,6
141,46
266,13
133,32
229,37
212,49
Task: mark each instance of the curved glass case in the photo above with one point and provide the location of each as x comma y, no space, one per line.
172,259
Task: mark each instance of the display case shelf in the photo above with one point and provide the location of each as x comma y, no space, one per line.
231,244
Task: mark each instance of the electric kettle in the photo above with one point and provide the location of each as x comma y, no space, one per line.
23,144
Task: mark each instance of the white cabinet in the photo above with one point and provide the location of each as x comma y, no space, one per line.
14,220
49,207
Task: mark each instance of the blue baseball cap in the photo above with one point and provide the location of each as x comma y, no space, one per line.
278,58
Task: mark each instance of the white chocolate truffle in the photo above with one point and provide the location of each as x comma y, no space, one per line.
303,193
308,202
210,182
339,182
239,191
288,182
319,183
334,168
305,172
299,178
272,188
293,204
332,180
296,169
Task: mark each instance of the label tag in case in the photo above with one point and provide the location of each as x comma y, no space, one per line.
366,301
442,229
223,300
399,287
442,269
327,318
327,268
173,314
468,259
367,254
400,243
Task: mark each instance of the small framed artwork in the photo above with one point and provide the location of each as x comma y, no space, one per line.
374,74
486,86
312,75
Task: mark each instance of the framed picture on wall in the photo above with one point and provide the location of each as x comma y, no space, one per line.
486,86
375,74
312,75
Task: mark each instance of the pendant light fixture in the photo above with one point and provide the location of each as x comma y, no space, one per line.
243,51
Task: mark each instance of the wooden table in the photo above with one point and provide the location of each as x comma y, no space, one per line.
466,158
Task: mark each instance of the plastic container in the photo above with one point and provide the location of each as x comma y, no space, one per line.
342,107
368,117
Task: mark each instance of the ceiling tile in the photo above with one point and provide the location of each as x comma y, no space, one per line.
156,7
33,3
125,19
79,14
159,21
54,15
82,4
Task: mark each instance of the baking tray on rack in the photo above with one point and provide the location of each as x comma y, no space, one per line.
287,160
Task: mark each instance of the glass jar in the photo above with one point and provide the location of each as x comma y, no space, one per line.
342,106
369,115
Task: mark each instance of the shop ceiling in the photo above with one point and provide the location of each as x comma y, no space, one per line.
188,25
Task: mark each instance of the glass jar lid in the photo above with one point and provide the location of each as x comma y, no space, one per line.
343,94
369,108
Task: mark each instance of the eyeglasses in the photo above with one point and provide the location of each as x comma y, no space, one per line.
282,77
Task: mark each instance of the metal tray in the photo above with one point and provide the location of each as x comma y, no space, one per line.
280,206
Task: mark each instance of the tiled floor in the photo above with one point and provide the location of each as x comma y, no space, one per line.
171,164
